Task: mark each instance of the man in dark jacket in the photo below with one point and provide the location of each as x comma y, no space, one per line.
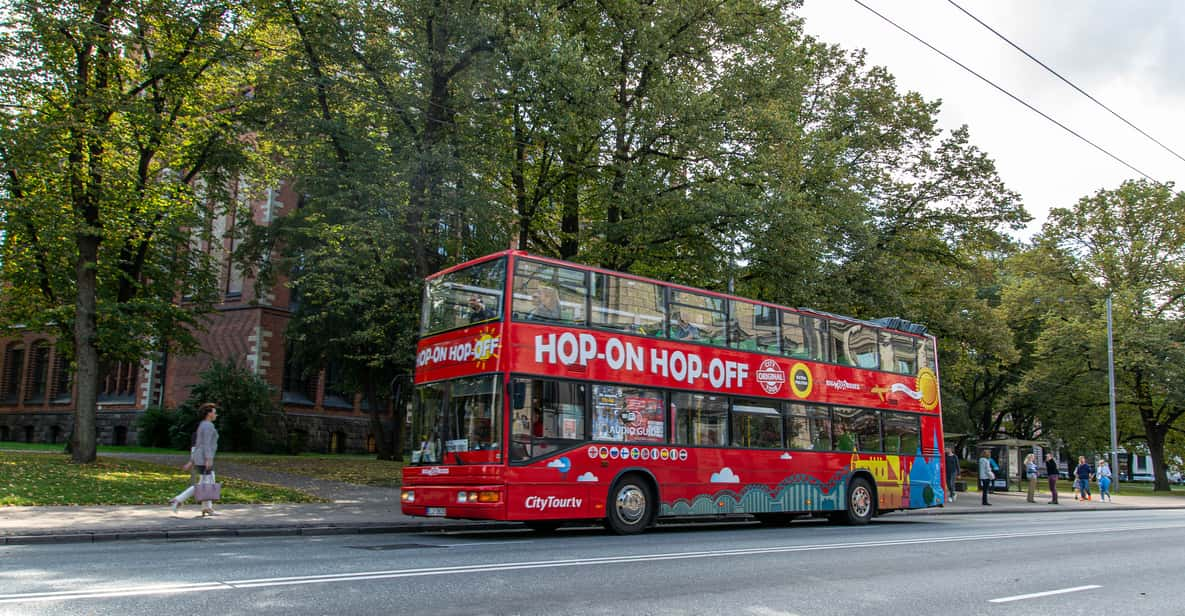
1052,471
952,473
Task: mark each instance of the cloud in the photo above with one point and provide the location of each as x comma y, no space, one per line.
560,464
725,476
787,456
588,477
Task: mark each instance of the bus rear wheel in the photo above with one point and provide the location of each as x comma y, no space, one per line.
861,504
630,506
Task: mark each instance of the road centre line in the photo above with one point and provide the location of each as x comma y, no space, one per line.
1047,593
515,566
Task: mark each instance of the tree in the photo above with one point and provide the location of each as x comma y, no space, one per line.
123,122
1127,243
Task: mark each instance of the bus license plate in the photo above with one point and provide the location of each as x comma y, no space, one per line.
436,512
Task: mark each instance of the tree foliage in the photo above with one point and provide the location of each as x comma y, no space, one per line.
123,122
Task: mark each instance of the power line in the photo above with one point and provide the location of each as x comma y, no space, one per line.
1068,82
1006,92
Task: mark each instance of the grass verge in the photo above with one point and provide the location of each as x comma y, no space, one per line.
37,479
361,470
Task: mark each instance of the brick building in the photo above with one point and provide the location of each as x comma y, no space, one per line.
36,389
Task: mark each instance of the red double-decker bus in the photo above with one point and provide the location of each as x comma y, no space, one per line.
549,392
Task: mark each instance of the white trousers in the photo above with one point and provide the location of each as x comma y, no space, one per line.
188,492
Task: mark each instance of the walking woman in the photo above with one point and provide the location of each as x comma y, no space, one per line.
204,448
1031,475
194,477
1104,475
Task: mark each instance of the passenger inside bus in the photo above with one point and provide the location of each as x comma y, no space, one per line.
546,305
682,330
478,311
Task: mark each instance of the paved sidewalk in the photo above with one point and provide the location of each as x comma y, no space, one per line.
362,509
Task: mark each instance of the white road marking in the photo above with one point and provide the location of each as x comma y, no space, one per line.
1047,593
128,591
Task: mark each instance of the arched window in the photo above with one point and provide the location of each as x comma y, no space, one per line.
38,372
63,384
298,386
10,378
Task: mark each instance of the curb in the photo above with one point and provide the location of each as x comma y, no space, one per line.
246,531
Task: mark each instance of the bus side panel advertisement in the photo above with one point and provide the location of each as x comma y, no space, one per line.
719,481
654,362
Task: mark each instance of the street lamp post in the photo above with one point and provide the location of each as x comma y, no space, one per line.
1111,387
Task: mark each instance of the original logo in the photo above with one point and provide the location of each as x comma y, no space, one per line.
770,376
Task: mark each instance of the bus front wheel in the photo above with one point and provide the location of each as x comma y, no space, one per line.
630,505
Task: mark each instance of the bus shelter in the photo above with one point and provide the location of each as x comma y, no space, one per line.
1010,453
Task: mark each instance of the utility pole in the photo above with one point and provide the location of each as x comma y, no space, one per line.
1111,386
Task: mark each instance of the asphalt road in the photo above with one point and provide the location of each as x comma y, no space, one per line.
1122,562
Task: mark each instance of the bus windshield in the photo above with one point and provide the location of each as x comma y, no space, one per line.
464,297
458,422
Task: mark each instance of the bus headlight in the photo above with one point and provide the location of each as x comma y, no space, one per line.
407,496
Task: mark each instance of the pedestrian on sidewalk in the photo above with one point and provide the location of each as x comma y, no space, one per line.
194,476
952,474
1104,475
986,476
204,447
1052,472
1082,473
1031,475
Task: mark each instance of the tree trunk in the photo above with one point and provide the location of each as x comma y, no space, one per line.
382,437
86,353
1156,436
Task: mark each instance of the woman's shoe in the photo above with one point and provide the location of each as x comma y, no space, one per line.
206,512
174,504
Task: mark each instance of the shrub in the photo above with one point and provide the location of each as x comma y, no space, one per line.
152,428
249,418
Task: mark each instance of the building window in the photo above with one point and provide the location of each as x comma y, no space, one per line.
38,372
336,392
118,383
62,384
10,379
299,386
120,436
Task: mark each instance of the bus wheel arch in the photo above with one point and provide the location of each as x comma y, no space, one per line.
632,503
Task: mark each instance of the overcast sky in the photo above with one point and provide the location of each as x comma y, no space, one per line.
1130,55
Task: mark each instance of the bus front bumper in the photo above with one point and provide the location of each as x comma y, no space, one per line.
477,502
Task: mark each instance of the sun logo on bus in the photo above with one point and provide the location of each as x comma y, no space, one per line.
927,385
485,347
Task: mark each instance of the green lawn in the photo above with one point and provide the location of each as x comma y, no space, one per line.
362,469
50,479
358,469
14,446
